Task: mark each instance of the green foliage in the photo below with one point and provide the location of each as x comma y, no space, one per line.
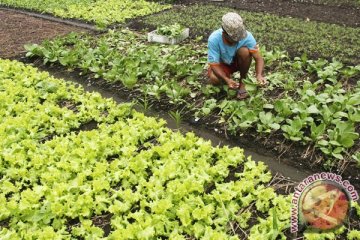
174,30
323,235
353,235
151,181
318,112
101,12
176,116
278,220
322,39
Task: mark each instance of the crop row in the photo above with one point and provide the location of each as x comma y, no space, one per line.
307,101
152,182
101,12
294,35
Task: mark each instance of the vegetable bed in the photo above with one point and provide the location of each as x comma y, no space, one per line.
74,165
127,178
17,29
313,103
297,36
100,12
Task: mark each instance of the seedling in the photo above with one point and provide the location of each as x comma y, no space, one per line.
170,34
176,116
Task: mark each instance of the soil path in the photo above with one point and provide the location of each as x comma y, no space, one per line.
342,14
17,29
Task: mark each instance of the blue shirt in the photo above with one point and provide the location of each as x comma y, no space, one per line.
219,52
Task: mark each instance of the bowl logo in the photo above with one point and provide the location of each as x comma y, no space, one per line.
322,201
323,205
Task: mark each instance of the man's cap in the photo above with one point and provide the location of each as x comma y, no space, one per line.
233,25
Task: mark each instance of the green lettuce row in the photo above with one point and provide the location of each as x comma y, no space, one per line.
134,163
153,183
26,121
100,12
79,183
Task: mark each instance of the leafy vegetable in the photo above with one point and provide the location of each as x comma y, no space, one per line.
174,30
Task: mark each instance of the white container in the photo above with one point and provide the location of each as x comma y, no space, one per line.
154,37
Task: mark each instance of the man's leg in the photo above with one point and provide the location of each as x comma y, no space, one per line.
243,61
213,79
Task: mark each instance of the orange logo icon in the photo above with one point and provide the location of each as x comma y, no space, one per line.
324,205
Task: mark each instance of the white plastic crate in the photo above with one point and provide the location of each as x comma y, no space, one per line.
154,37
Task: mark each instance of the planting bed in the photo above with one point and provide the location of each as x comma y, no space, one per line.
119,178
309,114
341,12
117,93
176,83
100,12
17,29
316,39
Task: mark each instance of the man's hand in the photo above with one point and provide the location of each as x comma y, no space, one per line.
259,67
261,80
232,84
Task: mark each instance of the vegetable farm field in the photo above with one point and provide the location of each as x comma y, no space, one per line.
76,164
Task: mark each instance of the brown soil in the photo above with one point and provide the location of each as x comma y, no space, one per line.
18,29
342,14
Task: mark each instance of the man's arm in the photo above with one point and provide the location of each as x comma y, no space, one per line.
220,74
259,67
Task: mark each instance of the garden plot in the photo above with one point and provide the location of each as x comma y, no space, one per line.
125,170
121,180
124,186
309,110
100,12
342,12
296,36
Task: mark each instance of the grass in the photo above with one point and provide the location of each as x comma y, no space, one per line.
293,35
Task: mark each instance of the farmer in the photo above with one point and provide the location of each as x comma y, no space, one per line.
230,49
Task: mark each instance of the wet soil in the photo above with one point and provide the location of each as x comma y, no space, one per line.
342,14
17,29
